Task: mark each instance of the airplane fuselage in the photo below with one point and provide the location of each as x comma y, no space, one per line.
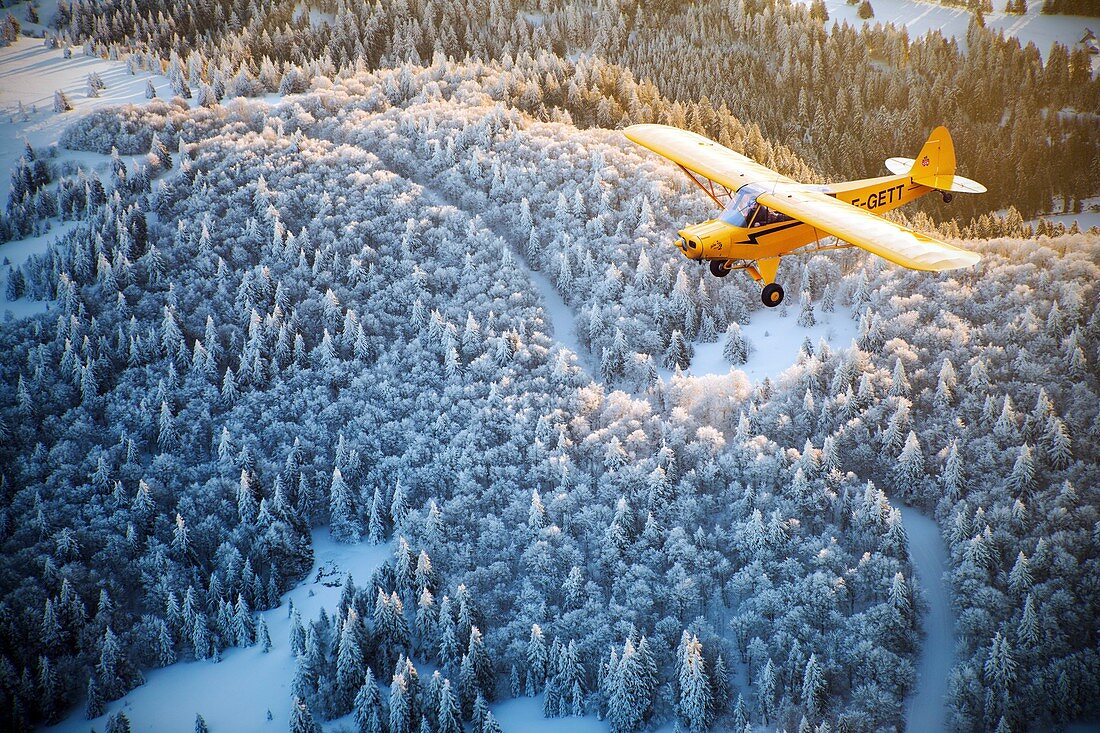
716,239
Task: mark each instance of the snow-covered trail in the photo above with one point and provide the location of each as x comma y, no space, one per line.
564,329
927,707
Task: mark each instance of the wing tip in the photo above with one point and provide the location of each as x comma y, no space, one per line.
961,260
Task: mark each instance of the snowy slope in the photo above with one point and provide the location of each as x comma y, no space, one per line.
29,75
774,340
926,709
237,693
1085,220
921,17
15,254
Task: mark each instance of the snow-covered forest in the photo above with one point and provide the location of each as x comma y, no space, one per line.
301,293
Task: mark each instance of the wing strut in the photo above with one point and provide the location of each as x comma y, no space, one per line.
708,188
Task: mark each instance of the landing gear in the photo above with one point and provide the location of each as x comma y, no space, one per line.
772,295
948,197
719,268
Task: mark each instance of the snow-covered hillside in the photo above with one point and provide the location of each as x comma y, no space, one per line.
922,16
408,309
30,74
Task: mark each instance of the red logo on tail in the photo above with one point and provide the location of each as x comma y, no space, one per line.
925,161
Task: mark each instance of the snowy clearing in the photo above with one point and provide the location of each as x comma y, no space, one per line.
524,715
30,73
237,693
774,340
14,254
927,707
922,17
1085,220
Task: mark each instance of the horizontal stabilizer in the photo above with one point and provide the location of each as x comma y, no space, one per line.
956,184
934,166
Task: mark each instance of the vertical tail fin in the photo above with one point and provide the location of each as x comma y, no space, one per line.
936,158
934,166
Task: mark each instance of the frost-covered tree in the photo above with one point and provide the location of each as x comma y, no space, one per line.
61,102
301,719
345,521
695,703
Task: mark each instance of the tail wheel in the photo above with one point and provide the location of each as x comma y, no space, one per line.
719,268
947,197
772,295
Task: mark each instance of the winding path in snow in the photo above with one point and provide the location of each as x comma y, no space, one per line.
926,708
563,327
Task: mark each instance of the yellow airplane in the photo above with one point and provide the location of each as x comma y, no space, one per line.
766,216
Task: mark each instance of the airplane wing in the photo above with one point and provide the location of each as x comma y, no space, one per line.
703,156
900,245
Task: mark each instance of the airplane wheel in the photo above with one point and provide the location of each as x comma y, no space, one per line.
947,198
718,268
772,295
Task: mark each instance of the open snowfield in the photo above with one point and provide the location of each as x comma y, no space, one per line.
774,341
237,693
921,17
29,74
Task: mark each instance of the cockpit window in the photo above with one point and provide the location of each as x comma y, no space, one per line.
740,209
743,211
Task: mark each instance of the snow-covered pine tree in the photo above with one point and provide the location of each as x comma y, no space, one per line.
909,469
367,707
735,349
696,708
301,719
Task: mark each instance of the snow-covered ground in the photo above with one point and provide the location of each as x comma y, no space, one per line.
317,18
560,314
920,17
237,693
926,709
14,254
1085,220
29,74
524,715
774,340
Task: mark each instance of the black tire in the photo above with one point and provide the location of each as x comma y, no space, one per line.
772,295
947,197
718,268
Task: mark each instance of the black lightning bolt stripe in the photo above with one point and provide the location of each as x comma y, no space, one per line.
754,238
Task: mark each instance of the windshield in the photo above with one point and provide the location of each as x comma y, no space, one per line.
743,211
741,207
